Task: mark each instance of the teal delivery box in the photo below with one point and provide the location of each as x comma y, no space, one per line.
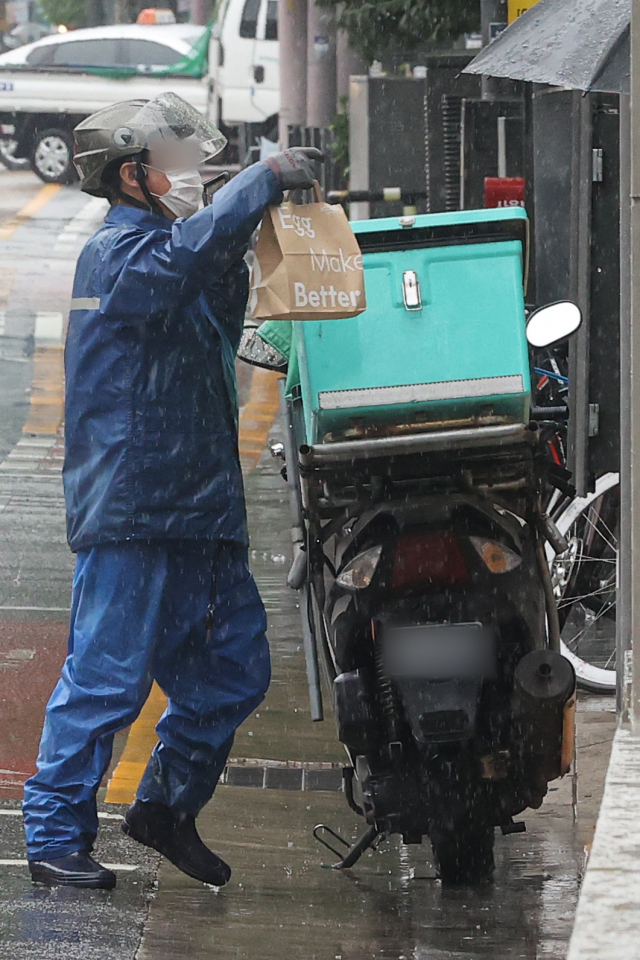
442,341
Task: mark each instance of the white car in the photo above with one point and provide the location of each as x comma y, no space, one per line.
135,45
48,87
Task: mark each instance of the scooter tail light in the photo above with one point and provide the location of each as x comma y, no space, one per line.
359,572
421,559
496,557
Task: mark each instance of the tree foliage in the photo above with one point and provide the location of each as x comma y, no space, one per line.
73,13
376,27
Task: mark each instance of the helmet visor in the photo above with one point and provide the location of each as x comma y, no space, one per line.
178,136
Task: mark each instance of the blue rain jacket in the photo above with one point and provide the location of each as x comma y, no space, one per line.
151,408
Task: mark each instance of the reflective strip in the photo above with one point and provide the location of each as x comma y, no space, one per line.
85,303
420,392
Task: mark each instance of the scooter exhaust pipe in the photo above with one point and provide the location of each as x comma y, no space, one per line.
544,705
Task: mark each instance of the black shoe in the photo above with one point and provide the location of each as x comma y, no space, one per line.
176,838
76,870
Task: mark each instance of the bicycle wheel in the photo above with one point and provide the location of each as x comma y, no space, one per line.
584,580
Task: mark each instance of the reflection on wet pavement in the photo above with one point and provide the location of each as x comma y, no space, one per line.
39,923
282,903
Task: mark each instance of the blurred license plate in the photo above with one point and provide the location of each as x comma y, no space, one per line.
460,651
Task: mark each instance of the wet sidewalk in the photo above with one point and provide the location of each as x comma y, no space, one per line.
282,901
284,777
283,780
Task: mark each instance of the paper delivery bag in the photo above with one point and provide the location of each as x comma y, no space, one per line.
307,264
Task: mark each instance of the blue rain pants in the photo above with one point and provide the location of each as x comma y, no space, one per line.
139,613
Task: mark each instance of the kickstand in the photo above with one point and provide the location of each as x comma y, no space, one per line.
354,852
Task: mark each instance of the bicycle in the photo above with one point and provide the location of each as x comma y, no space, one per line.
585,576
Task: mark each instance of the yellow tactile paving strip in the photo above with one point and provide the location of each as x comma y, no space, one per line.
10,226
256,419
140,742
46,409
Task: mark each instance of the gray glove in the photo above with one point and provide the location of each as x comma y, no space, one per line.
295,167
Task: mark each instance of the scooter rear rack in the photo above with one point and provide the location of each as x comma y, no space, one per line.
349,451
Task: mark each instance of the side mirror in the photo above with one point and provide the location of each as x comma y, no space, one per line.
549,325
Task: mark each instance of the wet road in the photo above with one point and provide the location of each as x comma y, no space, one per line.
284,776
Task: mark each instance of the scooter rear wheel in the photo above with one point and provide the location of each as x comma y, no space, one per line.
463,854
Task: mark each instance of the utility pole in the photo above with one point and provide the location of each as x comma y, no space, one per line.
321,65
95,16
292,36
493,19
632,673
200,11
349,63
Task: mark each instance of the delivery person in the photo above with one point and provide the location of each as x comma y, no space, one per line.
155,507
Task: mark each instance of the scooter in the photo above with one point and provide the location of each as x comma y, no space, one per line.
417,483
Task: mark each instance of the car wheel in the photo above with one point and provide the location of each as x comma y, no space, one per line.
8,156
52,156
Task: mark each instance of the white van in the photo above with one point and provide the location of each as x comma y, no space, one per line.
244,61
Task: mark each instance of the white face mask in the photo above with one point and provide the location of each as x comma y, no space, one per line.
184,196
